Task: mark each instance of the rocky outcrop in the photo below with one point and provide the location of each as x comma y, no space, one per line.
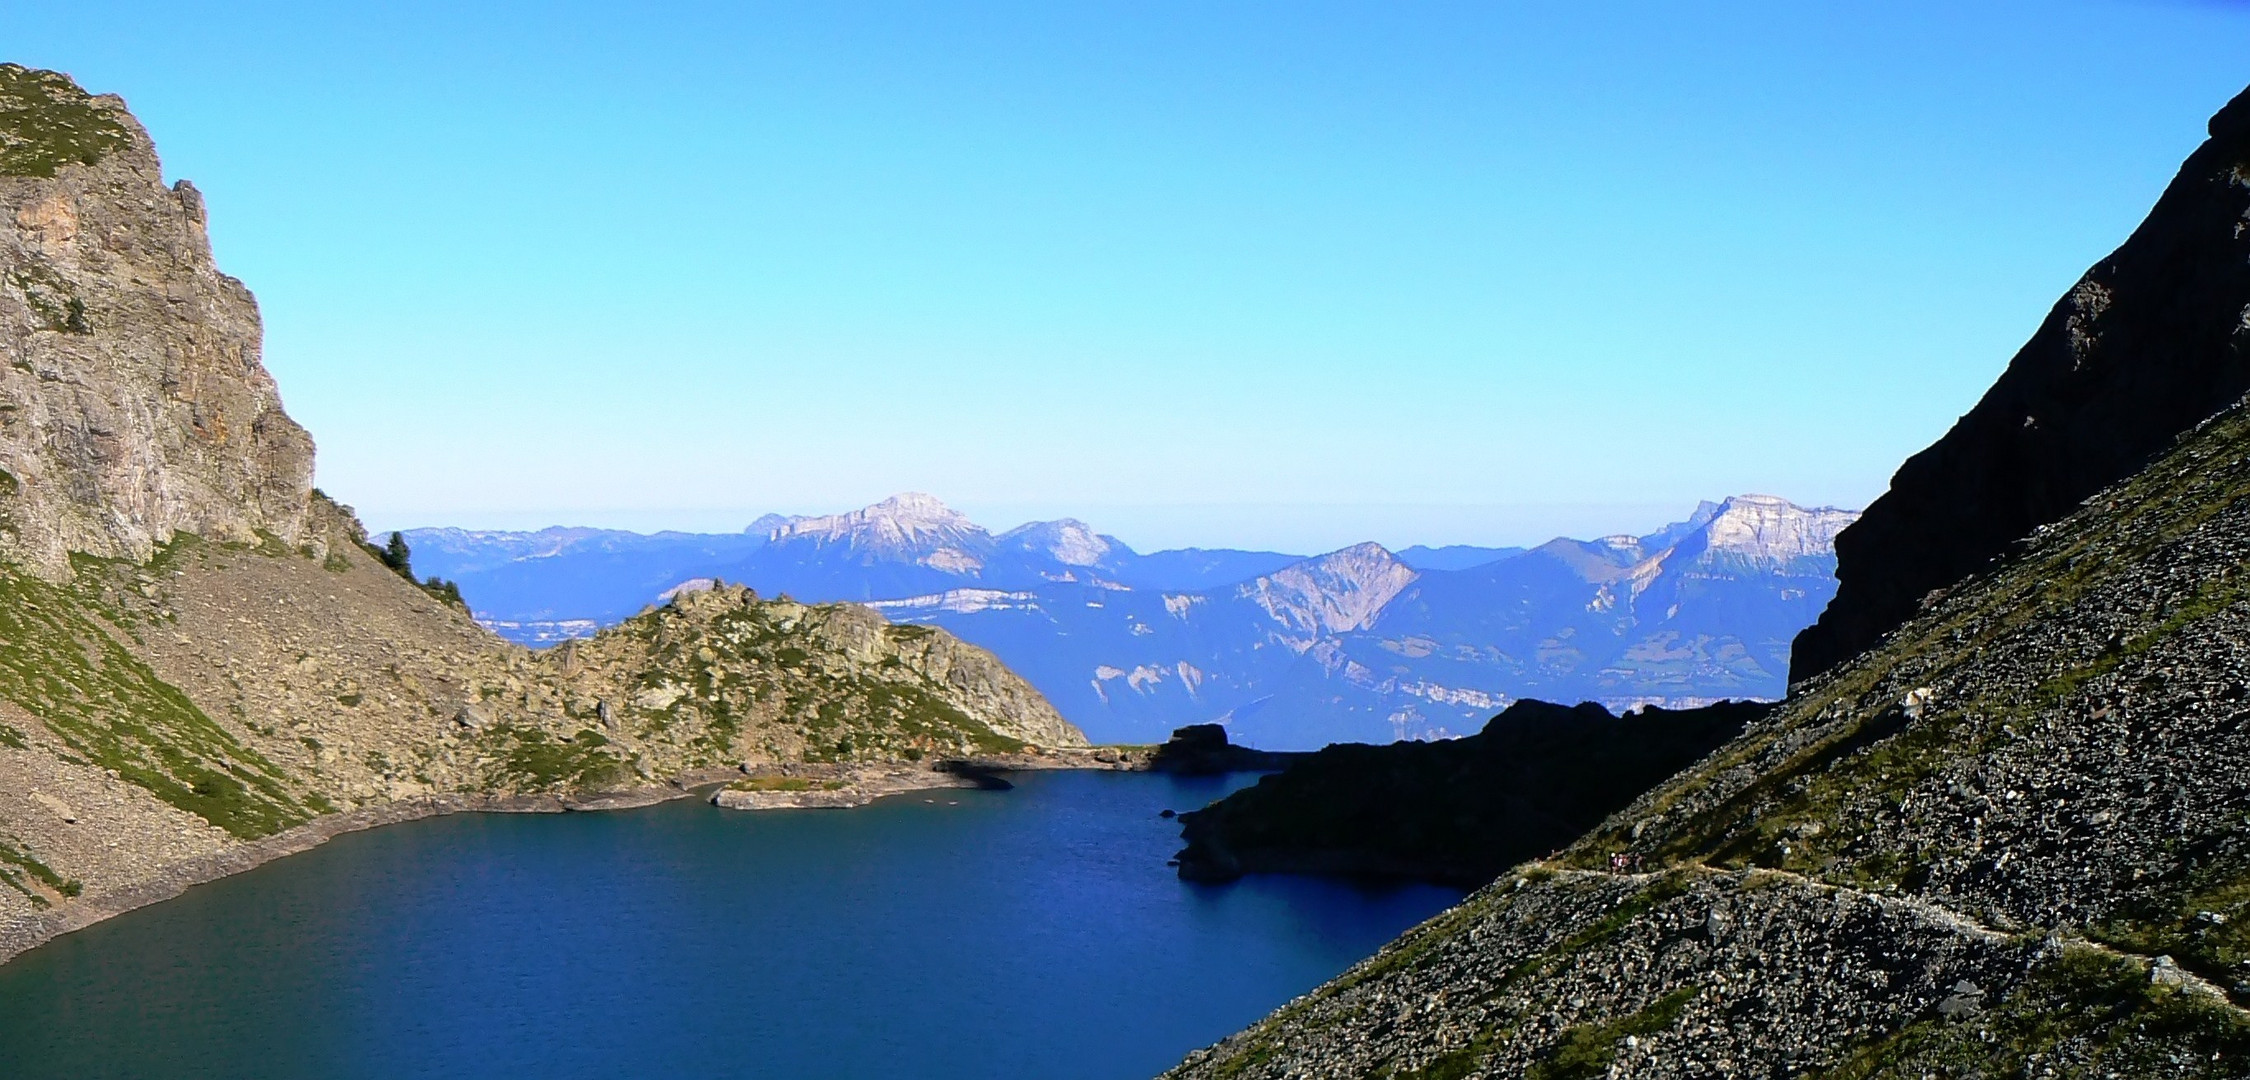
1459,811
794,682
1336,593
2150,342
204,665
1204,750
133,405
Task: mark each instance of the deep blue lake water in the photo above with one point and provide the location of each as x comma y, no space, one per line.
1033,933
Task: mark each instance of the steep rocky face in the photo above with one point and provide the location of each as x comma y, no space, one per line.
1336,593
2147,344
133,405
1771,532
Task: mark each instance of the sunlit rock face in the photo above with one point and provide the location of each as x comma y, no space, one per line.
133,405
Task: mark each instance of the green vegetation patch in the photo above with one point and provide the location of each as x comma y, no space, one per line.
64,668
2202,921
47,122
52,302
1586,1050
25,874
528,759
1455,1064
2083,1013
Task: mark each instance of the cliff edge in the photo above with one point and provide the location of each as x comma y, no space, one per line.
133,405
2148,343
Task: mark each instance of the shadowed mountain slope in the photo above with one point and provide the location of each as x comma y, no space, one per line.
2148,343
1461,811
2011,839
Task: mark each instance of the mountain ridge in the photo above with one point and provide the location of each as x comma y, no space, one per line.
1131,647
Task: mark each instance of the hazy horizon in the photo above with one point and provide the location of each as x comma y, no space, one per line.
1234,526
1245,275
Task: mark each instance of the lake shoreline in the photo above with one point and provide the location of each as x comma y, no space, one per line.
23,933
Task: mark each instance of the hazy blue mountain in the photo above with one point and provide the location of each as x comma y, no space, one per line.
538,587
1358,644
1454,556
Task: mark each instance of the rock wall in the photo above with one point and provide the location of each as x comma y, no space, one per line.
133,404
2151,341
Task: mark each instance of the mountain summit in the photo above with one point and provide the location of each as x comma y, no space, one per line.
1771,531
906,528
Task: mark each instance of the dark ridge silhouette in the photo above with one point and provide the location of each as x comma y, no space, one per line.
2147,345
1460,811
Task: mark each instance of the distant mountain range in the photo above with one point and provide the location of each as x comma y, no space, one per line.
1359,644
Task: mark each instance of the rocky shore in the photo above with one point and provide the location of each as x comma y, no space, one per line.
21,933
833,786
748,786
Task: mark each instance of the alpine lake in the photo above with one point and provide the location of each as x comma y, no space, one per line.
1032,933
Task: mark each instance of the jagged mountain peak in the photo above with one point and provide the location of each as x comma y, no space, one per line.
909,526
1773,529
1068,541
1335,593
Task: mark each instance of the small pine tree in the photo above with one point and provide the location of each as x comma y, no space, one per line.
397,557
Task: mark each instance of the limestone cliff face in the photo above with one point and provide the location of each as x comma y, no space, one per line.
2151,341
133,405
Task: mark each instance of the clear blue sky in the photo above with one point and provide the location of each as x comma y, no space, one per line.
1289,275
